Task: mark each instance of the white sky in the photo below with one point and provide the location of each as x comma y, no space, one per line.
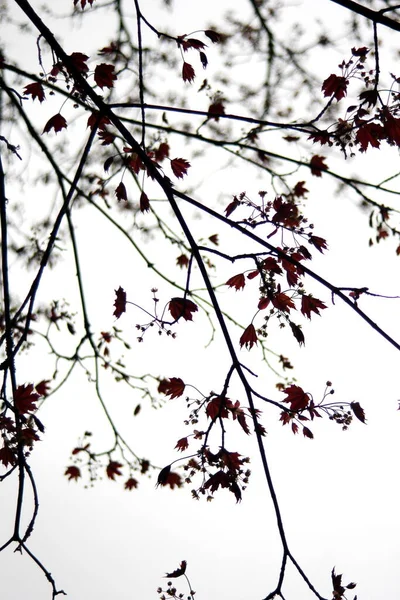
339,493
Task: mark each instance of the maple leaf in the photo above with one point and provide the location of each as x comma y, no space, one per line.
131,483
308,433
173,480
73,473
161,152
113,469
370,133
144,202
106,136
248,337
336,86
213,36
95,118
7,456
182,444
297,397
188,73
182,261
173,387
215,110
270,264
35,90
204,61
104,75
120,192
25,398
231,207
182,307
310,304
178,572
214,239
358,411
57,123
237,281
231,460
43,387
263,303
120,302
79,61
282,302
218,407
220,478
297,332
179,167
318,242
300,190
317,165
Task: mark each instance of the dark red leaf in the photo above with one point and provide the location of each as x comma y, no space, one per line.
120,302
57,123
179,167
358,411
248,337
72,473
188,73
237,281
35,90
173,387
113,469
120,192
178,572
104,75
182,307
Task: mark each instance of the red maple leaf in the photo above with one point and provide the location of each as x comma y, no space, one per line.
7,456
104,75
25,398
178,572
144,202
297,332
317,165
318,242
300,190
237,281
248,337
282,302
231,207
120,302
173,387
369,134
220,478
79,61
179,167
35,90
308,433
297,397
182,444
73,473
310,304
113,469
161,152
188,73
216,109
173,480
182,261
213,36
57,123
131,483
120,192
218,407
182,307
336,86
43,387
358,411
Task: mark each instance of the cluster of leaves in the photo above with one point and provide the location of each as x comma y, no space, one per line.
285,216
19,425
